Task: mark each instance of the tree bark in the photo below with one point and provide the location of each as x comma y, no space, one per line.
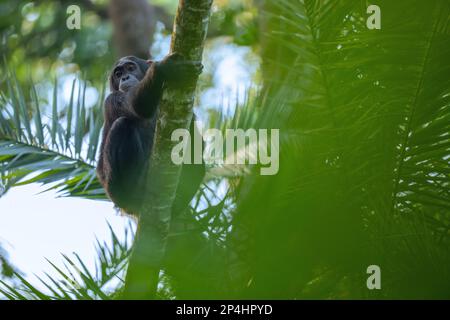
189,33
134,24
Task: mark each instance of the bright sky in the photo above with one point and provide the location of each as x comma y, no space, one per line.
37,226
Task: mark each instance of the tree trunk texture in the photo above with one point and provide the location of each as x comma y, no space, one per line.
189,33
134,24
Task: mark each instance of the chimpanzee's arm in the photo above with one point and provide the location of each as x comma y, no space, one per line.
144,99
173,69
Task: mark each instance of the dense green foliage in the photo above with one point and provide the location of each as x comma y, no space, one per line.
364,172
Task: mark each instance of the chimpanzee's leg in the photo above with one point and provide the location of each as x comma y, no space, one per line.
190,179
124,162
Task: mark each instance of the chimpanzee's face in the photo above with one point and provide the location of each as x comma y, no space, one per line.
126,74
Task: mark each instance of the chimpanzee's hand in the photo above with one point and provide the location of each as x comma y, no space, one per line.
176,69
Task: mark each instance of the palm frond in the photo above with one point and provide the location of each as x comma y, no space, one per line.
75,281
57,150
364,120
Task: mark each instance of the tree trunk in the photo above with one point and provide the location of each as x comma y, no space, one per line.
133,25
175,112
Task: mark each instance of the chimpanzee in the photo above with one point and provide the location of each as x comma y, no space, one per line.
130,121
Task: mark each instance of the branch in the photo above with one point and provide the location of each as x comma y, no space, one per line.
188,36
133,27
99,10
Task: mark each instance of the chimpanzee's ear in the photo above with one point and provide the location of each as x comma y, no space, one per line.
149,62
113,86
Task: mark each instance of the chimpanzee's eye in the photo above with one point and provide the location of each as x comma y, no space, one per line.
130,67
117,74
